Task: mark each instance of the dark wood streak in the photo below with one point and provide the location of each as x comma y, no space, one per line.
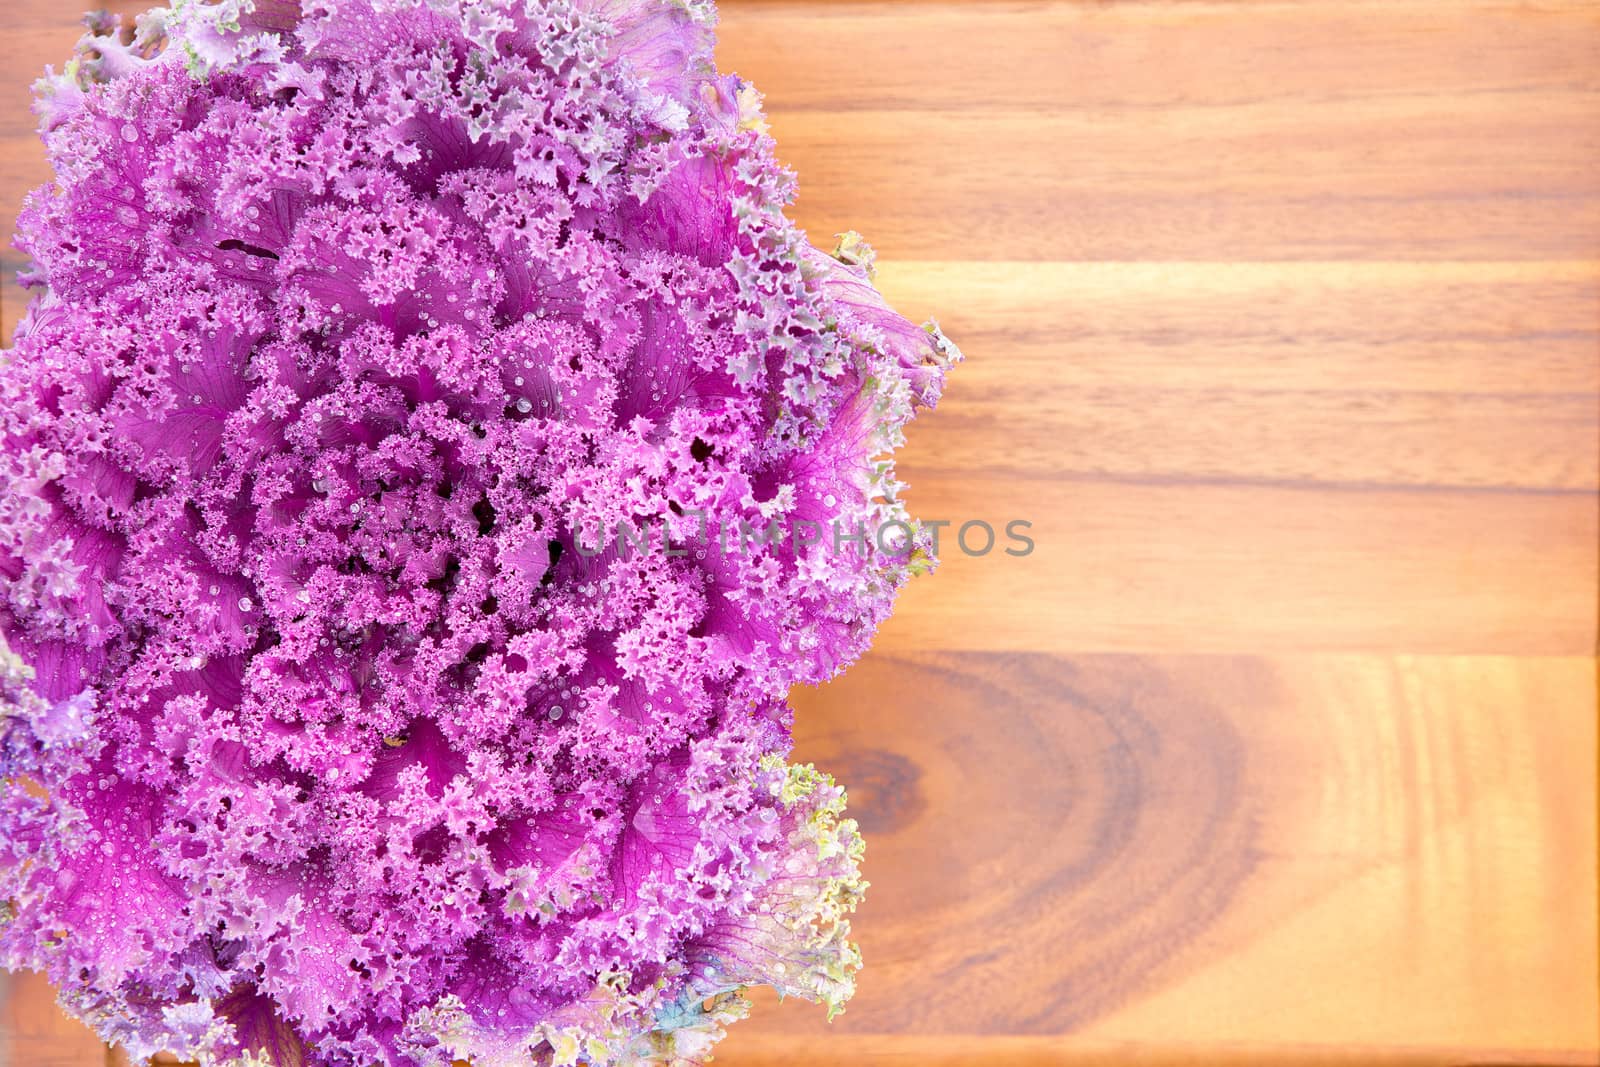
1079,824
884,787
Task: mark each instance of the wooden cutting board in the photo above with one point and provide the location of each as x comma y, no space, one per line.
1282,324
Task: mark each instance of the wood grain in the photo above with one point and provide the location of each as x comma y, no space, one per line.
1283,325
1372,851
1204,131
34,1032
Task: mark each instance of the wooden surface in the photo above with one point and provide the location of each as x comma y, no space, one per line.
1282,323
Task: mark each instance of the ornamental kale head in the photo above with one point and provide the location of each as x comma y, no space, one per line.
334,726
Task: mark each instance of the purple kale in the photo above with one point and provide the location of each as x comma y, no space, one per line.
335,725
